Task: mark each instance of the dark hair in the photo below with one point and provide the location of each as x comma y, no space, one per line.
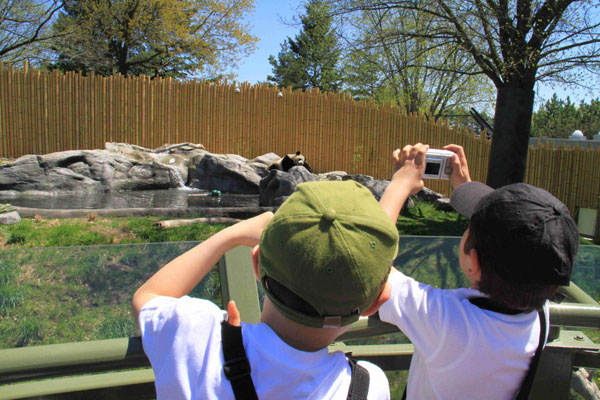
289,298
295,302
516,295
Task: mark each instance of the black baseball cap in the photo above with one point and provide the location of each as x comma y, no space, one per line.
528,232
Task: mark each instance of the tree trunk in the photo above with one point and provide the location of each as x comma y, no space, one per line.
512,124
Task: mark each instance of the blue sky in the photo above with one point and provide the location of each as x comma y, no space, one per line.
268,25
272,31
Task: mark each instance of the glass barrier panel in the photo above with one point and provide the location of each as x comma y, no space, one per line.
72,294
434,261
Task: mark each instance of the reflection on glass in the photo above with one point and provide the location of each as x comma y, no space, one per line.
70,294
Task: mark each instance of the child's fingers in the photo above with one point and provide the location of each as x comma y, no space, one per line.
460,152
234,314
421,153
405,154
396,156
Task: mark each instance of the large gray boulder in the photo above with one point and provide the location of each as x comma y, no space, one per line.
225,173
428,195
86,170
9,218
276,187
25,173
376,186
261,163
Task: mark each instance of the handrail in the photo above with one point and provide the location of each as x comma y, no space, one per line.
78,357
125,353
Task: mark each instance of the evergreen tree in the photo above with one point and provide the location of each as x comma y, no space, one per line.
558,118
311,59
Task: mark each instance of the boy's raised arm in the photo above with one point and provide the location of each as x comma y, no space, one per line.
181,275
407,179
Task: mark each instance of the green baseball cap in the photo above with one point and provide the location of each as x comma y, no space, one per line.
325,254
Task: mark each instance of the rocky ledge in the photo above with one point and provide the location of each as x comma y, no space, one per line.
123,166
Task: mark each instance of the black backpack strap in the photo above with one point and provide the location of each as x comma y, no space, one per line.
490,305
359,383
236,366
528,382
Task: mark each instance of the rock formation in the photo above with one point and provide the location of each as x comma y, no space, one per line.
128,167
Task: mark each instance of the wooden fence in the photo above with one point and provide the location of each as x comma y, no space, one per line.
43,112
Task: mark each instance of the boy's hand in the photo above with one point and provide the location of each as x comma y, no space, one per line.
248,232
409,165
233,314
460,168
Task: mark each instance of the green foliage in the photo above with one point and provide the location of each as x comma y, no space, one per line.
4,208
558,118
311,59
153,37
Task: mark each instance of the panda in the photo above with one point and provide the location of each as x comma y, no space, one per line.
289,161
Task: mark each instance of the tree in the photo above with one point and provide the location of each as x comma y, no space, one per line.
514,43
558,118
410,73
24,28
153,37
311,59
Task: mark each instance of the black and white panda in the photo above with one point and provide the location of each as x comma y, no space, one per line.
289,161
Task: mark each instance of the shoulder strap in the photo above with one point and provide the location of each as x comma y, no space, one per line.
488,304
236,366
528,382
359,383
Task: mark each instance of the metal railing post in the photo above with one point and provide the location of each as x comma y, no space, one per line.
238,283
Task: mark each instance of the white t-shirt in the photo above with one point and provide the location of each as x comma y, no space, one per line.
461,350
182,339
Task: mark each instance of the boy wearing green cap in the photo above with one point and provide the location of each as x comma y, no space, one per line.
480,342
323,261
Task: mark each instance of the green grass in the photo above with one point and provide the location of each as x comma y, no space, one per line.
82,232
425,219
70,294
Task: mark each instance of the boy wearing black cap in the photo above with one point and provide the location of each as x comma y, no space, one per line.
323,261
479,342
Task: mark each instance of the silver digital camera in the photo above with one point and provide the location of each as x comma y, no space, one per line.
438,164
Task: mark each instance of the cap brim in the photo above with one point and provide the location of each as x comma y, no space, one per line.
466,196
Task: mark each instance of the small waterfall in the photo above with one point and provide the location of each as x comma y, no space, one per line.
176,176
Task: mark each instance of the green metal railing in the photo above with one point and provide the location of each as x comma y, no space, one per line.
118,368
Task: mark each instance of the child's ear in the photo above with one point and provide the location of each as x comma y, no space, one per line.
383,296
255,261
475,267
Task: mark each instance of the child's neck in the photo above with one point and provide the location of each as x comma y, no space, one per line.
295,335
